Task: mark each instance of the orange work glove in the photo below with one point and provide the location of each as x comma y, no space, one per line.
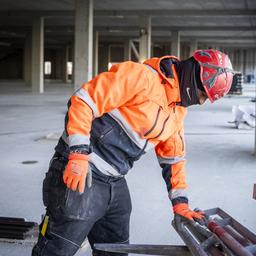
76,171
184,210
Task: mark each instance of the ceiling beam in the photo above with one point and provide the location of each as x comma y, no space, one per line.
116,29
126,13
179,28
176,12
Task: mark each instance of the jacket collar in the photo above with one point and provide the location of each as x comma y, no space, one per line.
172,81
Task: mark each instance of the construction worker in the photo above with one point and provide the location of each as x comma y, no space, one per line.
111,122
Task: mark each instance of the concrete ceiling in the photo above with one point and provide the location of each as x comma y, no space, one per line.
231,22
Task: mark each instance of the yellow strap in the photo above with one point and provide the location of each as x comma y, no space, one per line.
45,224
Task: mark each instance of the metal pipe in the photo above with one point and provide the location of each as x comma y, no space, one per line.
14,228
243,241
228,239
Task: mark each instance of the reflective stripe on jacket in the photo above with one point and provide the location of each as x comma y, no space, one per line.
127,111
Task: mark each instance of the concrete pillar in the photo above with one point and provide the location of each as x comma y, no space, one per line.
37,63
127,50
236,66
241,61
193,46
96,53
145,38
27,60
176,43
65,57
73,63
83,42
232,57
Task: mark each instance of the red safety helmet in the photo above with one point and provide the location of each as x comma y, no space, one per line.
216,72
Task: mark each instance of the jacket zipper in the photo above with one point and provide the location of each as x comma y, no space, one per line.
154,125
149,131
165,121
182,141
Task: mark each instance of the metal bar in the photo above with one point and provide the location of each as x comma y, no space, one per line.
8,227
11,219
237,226
243,241
182,228
206,239
15,228
234,245
11,235
135,51
18,223
173,250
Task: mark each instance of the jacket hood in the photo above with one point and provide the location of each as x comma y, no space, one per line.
173,90
155,64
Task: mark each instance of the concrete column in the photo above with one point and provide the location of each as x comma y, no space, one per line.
65,57
127,50
232,57
193,46
145,38
249,61
96,53
236,66
175,43
83,42
241,61
73,63
37,63
27,60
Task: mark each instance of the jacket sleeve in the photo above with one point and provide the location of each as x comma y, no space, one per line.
107,91
171,157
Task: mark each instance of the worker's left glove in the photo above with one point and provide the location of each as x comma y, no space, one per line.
76,172
184,210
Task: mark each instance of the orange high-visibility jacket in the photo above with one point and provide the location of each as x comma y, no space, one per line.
125,112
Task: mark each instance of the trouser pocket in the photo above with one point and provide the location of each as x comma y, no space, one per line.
61,201
54,189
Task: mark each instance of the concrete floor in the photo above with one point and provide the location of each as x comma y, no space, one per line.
220,169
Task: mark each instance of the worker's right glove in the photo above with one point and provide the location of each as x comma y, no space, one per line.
184,210
76,172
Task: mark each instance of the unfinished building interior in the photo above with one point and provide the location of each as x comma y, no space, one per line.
49,48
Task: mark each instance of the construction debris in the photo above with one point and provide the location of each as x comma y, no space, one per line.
244,116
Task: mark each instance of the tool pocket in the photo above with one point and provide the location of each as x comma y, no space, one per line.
53,185
77,206
60,200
